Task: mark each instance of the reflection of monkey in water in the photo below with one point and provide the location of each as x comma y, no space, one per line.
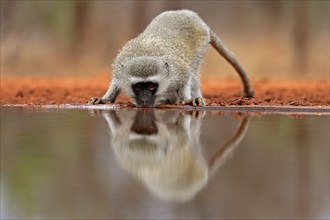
162,149
161,65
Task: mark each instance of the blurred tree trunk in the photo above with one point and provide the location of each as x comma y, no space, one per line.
7,9
275,12
172,5
300,35
80,23
139,17
9,55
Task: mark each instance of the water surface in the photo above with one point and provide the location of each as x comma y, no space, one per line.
89,164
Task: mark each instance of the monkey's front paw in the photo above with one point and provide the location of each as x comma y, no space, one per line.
197,114
95,101
199,101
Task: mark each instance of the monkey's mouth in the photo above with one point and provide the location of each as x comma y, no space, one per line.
145,103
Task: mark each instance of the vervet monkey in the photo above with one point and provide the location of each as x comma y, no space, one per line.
161,65
163,150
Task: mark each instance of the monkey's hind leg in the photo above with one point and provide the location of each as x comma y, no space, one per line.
109,97
230,57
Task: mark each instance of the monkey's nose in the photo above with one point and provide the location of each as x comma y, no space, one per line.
144,99
143,103
146,102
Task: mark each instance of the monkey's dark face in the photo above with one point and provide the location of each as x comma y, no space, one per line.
145,93
145,123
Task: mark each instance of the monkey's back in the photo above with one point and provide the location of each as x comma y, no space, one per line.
180,37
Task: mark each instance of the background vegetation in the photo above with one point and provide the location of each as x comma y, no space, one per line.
273,39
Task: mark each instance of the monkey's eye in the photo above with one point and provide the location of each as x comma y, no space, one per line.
138,87
152,86
141,86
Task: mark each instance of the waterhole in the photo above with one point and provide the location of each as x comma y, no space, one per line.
152,164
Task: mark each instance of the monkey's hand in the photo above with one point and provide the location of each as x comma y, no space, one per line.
96,101
197,114
199,101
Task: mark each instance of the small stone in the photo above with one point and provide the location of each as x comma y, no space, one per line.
20,94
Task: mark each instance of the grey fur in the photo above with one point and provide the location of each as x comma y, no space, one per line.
169,52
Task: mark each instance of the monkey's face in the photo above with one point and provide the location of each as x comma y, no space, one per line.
145,80
145,93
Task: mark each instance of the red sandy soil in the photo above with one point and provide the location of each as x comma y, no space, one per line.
41,91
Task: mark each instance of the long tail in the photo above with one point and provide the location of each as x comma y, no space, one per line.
222,154
230,57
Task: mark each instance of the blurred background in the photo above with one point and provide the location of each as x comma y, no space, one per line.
272,39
